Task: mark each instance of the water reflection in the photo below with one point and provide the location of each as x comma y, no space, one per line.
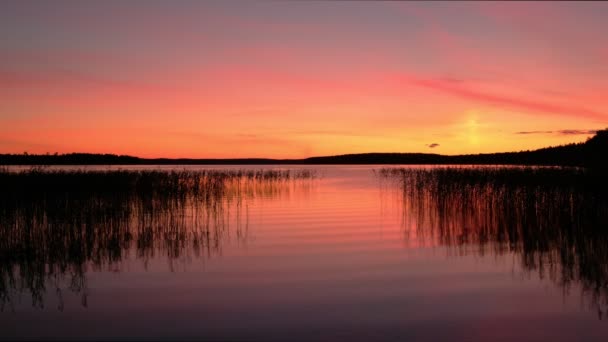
56,226
555,220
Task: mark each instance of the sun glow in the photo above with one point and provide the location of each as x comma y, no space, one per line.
473,129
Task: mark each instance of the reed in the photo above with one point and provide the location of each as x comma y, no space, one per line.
55,223
554,219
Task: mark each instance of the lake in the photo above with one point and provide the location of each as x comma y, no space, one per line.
303,253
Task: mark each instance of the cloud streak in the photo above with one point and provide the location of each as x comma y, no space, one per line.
459,89
562,132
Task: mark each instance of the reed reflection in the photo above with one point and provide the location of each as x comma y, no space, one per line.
57,225
554,219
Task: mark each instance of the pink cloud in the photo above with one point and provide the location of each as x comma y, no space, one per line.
459,89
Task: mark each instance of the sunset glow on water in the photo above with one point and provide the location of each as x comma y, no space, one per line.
340,255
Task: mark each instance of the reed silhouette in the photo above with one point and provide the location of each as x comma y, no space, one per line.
57,224
554,219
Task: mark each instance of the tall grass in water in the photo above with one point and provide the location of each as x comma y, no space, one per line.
54,223
554,219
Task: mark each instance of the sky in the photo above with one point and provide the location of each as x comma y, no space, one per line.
292,79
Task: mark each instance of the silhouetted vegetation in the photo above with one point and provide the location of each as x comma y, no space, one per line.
590,153
61,223
554,219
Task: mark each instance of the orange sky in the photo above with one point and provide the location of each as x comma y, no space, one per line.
297,79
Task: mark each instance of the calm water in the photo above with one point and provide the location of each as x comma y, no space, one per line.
350,254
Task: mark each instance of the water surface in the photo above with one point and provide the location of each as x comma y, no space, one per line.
352,253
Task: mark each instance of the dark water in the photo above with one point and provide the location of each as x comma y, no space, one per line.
353,253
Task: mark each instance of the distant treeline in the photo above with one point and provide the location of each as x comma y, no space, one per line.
590,153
